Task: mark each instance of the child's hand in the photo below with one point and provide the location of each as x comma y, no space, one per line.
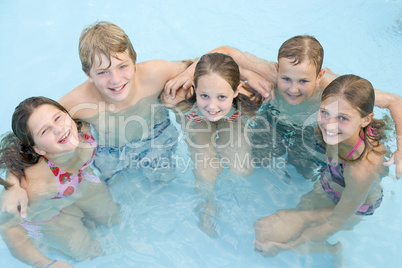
15,201
268,248
183,80
396,158
260,84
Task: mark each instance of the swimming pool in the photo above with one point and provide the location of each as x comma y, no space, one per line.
39,56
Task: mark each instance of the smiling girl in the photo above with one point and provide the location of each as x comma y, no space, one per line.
50,154
349,186
214,117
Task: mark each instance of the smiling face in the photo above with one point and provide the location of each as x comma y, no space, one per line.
115,81
339,122
53,131
214,96
297,83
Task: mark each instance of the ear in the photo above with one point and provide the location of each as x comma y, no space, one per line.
320,75
89,77
276,67
366,120
239,87
38,151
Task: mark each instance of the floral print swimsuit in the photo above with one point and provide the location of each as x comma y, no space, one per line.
68,182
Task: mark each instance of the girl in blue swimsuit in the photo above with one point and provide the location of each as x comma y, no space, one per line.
49,156
214,117
349,187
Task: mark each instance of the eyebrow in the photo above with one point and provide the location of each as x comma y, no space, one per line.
40,130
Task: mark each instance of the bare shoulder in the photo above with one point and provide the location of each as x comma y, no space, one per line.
162,68
82,102
367,170
39,181
152,75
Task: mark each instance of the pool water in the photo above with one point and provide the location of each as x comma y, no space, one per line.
39,56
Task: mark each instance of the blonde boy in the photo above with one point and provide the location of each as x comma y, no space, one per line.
120,100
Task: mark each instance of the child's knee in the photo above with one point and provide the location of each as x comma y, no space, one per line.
242,171
83,247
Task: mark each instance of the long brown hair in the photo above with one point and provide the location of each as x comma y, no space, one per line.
359,93
16,148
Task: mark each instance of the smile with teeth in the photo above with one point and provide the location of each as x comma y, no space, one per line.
293,95
117,89
213,113
64,138
331,134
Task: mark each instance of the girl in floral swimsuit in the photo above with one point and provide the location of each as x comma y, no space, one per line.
349,187
214,117
50,156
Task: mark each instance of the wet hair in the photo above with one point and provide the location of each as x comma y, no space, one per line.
224,66
103,38
16,148
303,48
359,93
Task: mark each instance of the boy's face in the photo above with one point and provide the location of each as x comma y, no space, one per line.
296,83
115,81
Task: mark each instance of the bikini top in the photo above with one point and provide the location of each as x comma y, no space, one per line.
336,169
68,182
195,115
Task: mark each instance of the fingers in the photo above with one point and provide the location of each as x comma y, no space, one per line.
390,161
175,84
393,160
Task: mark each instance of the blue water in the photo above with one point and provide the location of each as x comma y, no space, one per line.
39,56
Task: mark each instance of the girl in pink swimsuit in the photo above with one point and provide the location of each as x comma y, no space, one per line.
49,155
349,187
214,117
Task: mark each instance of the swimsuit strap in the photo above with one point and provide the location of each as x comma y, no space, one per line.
355,148
196,115
68,182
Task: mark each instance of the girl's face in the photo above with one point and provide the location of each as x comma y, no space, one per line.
115,81
214,96
53,131
339,122
297,83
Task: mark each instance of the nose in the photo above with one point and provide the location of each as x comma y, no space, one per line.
57,128
114,77
331,124
212,104
293,88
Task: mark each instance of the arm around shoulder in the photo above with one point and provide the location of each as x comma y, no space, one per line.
393,102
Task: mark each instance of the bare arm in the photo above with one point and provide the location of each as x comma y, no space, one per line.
263,83
393,103
20,245
358,179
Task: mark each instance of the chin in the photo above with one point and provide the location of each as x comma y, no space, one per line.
331,141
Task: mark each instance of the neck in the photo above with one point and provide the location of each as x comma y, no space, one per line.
68,160
344,148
